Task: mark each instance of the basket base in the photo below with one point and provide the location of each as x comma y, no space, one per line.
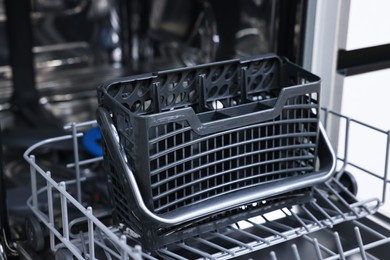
153,238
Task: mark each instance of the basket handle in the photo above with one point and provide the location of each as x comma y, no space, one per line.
111,138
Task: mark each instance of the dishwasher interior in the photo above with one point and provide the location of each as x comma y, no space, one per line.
53,174
334,224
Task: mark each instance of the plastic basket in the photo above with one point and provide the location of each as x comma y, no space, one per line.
192,149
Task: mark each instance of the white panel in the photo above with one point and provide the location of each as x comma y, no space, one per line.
368,23
366,97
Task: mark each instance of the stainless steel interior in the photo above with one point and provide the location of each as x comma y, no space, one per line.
78,45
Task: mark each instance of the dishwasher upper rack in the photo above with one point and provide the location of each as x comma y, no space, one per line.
327,210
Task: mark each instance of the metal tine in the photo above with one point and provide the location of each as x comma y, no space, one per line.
330,203
385,174
82,124
311,215
85,162
83,244
323,212
284,211
137,250
91,236
267,228
313,218
303,219
287,228
280,225
76,161
295,252
171,254
368,229
107,251
64,211
211,244
147,256
195,250
336,181
300,221
249,235
360,243
352,196
103,245
235,241
317,249
346,144
34,183
273,255
339,245
270,222
123,241
51,210
320,246
342,200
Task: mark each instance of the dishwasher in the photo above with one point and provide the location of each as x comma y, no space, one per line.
322,218
164,164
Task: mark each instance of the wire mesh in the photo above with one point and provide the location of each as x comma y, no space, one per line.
333,214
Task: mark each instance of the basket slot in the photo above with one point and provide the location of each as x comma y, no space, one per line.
201,81
242,110
156,97
212,116
244,84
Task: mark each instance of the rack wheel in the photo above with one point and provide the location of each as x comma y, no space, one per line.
349,182
34,233
63,254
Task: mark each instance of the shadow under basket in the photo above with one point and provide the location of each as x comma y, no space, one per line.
197,148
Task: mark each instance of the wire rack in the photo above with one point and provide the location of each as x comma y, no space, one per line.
333,211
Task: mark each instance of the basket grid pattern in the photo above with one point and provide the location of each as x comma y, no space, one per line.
200,136
186,168
122,209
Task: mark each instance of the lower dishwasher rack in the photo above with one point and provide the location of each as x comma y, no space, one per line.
334,224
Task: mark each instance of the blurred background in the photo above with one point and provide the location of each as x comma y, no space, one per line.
57,52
